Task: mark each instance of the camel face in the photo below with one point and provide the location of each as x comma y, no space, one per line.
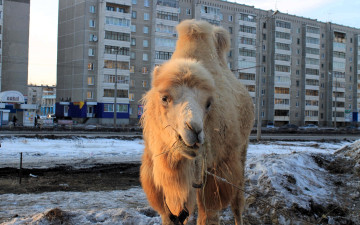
184,104
186,109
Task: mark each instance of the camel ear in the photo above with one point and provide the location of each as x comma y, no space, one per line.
156,72
193,28
222,40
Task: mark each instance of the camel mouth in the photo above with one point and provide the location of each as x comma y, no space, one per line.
194,146
189,152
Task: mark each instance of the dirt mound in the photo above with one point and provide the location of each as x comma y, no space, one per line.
352,151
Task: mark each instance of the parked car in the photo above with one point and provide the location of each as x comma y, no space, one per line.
309,127
270,125
351,128
288,127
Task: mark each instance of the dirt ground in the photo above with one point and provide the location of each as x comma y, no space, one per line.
99,178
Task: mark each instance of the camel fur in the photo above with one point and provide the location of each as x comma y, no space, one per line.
196,112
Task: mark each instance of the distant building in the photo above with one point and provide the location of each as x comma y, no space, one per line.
44,97
309,70
14,45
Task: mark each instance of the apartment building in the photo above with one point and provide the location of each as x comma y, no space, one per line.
44,97
14,45
297,70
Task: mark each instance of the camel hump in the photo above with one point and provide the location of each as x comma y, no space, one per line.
198,31
193,28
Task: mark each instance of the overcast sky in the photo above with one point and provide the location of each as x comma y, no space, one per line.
44,18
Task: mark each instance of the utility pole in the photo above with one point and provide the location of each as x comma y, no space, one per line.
259,99
336,84
115,89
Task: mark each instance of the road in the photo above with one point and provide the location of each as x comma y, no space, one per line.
131,135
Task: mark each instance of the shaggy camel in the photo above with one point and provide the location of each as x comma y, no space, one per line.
197,119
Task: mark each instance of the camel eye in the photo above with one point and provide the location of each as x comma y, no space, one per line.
208,104
165,99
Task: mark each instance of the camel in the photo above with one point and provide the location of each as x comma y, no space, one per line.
196,124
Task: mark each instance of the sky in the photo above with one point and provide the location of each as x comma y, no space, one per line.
44,14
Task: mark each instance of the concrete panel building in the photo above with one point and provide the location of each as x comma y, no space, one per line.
298,70
14,45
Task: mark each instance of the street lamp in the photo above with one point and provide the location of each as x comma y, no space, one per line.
332,74
259,100
115,88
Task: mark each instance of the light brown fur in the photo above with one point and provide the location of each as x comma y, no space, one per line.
196,75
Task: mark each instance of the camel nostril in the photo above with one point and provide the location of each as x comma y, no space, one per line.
195,146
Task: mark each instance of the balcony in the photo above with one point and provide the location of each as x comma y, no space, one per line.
281,118
119,7
282,106
247,82
312,118
312,107
312,87
168,3
119,2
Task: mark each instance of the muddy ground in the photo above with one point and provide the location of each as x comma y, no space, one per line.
99,178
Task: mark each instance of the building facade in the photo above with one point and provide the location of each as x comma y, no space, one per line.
44,97
298,70
14,45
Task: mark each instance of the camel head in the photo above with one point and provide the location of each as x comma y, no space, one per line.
178,104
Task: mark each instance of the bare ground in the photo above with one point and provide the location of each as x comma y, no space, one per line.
99,178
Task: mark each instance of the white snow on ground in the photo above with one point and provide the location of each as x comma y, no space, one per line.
82,152
110,207
269,166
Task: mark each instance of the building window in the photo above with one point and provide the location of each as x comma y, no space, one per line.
133,14
146,29
163,55
92,37
146,3
121,79
145,57
132,83
146,16
132,55
108,107
133,28
122,22
120,93
118,36
230,18
144,83
133,41
110,64
145,43
167,16
131,96
122,108
188,11
144,70
91,23
117,50
134,2
132,69
92,9
91,52
89,95
230,30
90,80
90,66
